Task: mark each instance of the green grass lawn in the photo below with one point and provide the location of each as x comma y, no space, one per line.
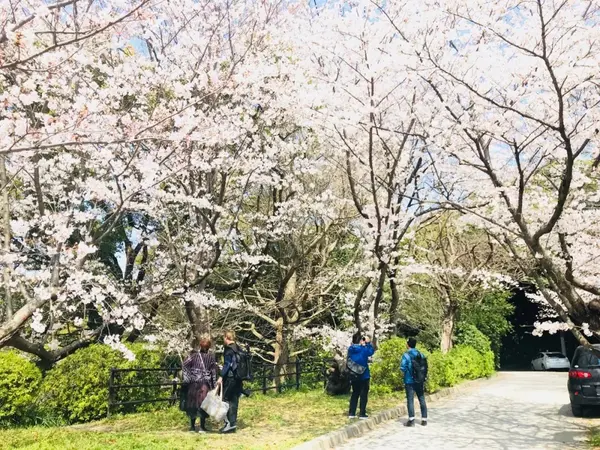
595,438
265,422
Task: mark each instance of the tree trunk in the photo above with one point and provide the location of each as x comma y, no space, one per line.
12,325
358,302
375,311
448,325
201,325
281,355
47,358
199,320
8,313
394,304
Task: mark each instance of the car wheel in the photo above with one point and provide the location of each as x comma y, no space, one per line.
577,410
543,367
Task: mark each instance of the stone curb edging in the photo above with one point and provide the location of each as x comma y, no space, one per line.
361,427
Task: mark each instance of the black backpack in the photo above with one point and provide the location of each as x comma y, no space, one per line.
419,368
243,366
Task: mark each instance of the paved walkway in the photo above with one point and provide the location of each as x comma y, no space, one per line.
515,410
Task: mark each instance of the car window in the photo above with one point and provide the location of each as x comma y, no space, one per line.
584,358
555,355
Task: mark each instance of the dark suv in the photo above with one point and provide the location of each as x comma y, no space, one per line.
584,379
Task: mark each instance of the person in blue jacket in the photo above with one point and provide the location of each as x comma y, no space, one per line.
411,386
360,351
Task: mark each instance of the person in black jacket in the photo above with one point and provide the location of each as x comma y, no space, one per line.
232,385
338,382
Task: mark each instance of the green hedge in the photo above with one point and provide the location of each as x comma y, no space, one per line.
469,335
19,382
461,363
76,390
385,370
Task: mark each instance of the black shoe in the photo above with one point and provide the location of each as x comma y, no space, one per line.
363,417
424,423
410,423
246,392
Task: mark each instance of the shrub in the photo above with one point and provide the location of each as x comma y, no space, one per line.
469,335
490,316
437,372
19,382
466,363
76,390
385,370
380,389
145,358
489,364
450,370
461,363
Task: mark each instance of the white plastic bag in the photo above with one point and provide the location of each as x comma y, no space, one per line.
214,405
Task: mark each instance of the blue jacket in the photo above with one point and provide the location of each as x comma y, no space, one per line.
360,355
406,365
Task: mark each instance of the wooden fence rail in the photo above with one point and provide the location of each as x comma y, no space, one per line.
131,387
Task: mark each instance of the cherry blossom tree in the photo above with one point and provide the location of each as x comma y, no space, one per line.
168,169
121,153
517,94
303,285
372,120
458,266
58,162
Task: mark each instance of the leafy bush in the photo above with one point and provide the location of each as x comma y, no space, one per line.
437,372
469,335
489,364
461,363
466,362
450,370
380,389
385,370
76,390
145,358
19,382
490,316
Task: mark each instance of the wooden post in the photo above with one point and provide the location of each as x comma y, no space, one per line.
174,396
277,378
298,373
111,391
264,378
